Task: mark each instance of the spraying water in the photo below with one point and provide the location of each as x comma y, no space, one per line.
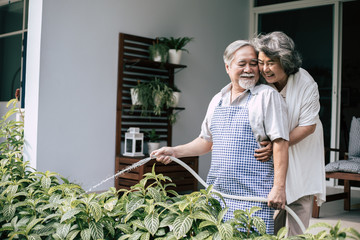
125,170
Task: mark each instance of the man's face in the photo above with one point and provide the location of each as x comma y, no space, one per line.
244,70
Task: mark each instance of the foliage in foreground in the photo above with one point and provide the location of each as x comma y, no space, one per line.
43,205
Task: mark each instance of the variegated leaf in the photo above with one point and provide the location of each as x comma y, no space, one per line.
62,230
202,235
45,182
51,216
85,234
136,235
72,235
125,228
109,227
168,220
254,209
182,225
145,236
42,230
222,214
95,210
183,205
33,237
134,204
226,231
96,230
259,224
69,214
204,216
152,222
217,236
9,211
282,232
12,189
123,237
155,194
138,224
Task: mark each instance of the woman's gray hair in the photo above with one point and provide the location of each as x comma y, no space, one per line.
277,45
232,48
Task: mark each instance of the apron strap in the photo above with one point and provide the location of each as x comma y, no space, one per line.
246,103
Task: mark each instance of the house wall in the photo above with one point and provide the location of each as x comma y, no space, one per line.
70,119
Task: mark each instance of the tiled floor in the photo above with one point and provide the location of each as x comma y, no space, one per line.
332,212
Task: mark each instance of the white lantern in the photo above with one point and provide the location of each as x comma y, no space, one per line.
134,142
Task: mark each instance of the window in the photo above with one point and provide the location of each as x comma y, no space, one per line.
259,3
13,29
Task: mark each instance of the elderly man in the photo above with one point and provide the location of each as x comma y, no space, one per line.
240,116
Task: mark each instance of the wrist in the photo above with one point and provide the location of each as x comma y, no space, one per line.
279,187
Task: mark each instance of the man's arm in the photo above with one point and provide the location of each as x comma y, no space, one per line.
197,147
277,195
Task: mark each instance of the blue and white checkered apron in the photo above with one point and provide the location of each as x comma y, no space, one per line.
234,169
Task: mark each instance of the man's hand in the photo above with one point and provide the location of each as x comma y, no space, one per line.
163,154
264,154
277,198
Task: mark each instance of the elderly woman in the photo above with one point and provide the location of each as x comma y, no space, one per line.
279,64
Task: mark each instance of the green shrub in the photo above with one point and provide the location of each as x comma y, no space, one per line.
44,205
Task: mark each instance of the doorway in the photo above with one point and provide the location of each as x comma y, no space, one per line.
324,35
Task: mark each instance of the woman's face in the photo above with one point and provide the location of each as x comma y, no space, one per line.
271,69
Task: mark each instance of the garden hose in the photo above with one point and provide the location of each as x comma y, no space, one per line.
178,161
254,199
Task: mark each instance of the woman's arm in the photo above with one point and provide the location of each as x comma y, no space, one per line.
296,135
300,132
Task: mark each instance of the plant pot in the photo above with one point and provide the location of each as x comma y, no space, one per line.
134,97
176,96
157,58
175,56
153,146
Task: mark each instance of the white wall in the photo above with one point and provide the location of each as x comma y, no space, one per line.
77,78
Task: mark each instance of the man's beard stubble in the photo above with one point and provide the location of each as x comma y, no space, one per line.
247,83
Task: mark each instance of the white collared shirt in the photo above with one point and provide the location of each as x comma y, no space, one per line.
267,112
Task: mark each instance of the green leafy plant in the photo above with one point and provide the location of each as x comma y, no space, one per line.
38,205
334,232
176,43
155,96
158,51
152,136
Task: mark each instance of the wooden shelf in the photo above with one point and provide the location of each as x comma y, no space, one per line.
134,65
148,63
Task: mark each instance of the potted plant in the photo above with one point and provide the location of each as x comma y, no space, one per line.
153,140
176,95
154,96
176,46
158,51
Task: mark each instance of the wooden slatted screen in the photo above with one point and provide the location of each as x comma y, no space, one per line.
133,66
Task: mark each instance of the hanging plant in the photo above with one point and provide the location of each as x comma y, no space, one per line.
154,97
158,51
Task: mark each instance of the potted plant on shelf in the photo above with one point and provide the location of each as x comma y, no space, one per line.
158,51
176,95
153,140
176,46
154,96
